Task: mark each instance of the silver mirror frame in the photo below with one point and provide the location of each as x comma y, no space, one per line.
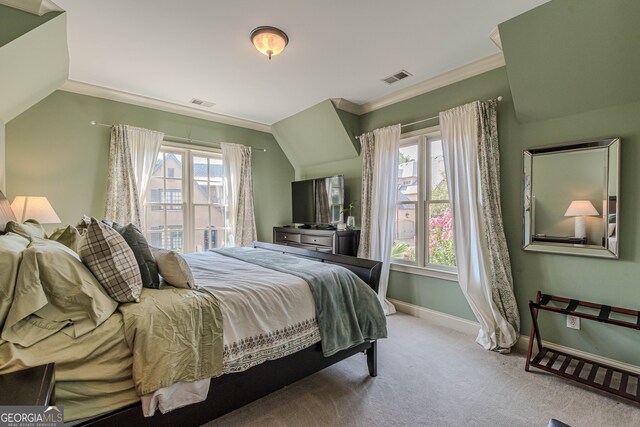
613,154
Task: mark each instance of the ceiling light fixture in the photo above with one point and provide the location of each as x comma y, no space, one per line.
269,40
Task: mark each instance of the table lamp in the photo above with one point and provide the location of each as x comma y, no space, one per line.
34,207
580,209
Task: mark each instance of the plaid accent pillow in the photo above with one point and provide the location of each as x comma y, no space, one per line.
105,252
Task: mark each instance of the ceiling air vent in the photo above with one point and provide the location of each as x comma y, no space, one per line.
202,103
402,74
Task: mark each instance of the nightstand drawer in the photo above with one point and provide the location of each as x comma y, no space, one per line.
31,386
287,237
317,240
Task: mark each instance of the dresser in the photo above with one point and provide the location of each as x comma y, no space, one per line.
328,241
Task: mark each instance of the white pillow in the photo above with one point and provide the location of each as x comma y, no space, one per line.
173,268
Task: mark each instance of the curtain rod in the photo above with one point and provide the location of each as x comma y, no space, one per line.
179,138
427,119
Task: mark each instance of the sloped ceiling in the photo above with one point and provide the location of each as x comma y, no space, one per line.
38,7
318,135
34,65
570,56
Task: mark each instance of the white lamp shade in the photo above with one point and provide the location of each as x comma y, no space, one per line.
34,207
581,208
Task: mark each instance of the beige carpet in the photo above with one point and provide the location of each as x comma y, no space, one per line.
431,376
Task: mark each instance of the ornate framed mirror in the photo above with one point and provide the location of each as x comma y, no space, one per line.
571,198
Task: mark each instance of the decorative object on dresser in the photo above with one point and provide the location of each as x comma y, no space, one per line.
607,378
31,386
328,241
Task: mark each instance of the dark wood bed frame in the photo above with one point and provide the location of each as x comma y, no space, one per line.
232,391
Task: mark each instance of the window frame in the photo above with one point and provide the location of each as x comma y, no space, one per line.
188,152
421,266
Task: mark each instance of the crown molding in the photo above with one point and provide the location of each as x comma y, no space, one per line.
156,104
494,35
345,105
458,74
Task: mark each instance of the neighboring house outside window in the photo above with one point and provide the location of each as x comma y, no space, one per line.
185,205
423,240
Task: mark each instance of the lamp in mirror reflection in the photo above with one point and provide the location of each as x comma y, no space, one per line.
580,209
34,207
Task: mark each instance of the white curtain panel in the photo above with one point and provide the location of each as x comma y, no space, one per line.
461,137
144,145
236,160
132,156
379,196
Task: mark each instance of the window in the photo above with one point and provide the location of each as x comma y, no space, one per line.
172,197
424,221
185,205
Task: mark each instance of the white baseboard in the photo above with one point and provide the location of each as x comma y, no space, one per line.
471,328
438,318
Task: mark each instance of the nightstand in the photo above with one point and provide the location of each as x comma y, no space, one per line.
31,386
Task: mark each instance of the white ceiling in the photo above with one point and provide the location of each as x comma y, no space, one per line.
177,50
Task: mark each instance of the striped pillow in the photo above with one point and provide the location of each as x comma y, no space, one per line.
105,252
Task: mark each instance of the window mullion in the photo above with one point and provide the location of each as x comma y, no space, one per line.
188,216
422,183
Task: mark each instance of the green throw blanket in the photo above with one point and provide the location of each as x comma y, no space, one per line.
347,309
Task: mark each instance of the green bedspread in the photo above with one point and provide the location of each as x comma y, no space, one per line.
347,309
174,335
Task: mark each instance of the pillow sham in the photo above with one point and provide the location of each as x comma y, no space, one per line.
28,229
173,268
138,244
11,247
110,259
83,224
54,291
69,236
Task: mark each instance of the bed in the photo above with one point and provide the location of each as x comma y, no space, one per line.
113,394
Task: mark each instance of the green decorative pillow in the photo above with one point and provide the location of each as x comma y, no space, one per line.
11,248
70,237
54,291
138,244
28,229
174,269
111,260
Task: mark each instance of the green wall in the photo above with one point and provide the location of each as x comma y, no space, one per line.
2,158
613,282
52,150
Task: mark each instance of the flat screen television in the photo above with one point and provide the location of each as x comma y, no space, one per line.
317,201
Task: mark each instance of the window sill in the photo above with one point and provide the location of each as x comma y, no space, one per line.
422,271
